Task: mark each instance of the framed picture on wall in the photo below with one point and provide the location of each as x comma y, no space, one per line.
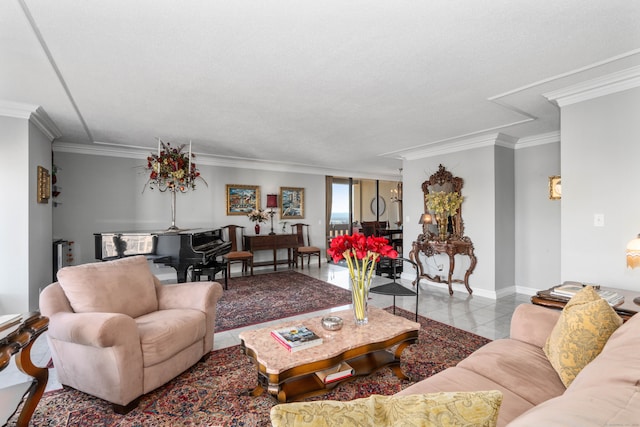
242,199
291,202
555,187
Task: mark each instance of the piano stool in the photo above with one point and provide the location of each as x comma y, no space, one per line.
210,270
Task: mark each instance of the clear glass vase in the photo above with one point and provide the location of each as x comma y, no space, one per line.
360,296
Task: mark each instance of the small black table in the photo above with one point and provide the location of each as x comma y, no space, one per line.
394,288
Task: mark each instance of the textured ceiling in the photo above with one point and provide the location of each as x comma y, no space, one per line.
338,85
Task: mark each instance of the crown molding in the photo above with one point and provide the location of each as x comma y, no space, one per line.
535,140
595,88
135,152
34,113
448,147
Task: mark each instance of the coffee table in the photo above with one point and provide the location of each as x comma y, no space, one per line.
292,376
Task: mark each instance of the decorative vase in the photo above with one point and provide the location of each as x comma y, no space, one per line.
360,296
443,221
257,228
173,212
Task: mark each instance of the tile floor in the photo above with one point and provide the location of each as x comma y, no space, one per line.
483,316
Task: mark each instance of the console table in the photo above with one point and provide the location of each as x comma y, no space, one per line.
272,242
17,339
452,248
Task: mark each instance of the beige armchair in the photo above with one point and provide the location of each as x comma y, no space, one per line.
116,332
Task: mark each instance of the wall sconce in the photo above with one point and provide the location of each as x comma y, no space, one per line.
633,258
272,202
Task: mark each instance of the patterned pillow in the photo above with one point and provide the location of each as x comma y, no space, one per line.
478,408
582,330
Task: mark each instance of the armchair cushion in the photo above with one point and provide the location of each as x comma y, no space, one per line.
428,410
99,287
163,334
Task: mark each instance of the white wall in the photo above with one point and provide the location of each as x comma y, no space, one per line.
40,219
101,193
476,168
505,219
14,220
537,231
600,153
25,225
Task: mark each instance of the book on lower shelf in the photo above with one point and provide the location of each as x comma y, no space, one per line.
568,290
296,338
337,373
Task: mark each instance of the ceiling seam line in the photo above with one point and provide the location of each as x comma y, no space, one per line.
53,64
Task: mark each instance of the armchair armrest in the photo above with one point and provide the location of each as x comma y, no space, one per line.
533,323
201,296
94,329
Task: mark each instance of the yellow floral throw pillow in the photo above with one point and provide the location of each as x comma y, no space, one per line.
586,323
478,408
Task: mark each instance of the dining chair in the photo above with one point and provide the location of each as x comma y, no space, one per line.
304,248
237,254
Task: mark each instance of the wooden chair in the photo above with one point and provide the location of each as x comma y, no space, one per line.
370,228
304,248
237,254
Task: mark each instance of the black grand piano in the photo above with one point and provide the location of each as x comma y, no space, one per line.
196,248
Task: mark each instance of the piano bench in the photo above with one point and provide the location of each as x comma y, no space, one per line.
210,270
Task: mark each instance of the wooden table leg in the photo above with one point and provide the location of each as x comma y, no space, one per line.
40,375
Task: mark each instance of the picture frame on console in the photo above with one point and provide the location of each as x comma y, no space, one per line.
242,199
291,203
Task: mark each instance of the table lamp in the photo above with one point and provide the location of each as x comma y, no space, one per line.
272,202
425,220
633,258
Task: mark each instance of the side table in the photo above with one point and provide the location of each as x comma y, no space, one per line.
16,340
625,310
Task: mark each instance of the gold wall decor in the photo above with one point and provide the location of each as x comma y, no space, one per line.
555,187
44,185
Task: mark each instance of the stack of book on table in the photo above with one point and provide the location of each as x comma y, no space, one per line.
568,290
337,373
296,338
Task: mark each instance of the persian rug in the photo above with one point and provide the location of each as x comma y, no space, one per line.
209,394
264,297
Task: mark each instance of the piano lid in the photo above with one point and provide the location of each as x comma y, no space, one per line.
118,244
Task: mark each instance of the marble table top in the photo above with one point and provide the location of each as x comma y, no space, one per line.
276,358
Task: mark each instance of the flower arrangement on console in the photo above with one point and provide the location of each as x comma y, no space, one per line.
172,169
443,204
361,254
258,216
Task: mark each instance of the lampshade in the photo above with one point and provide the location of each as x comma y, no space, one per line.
633,253
272,200
427,218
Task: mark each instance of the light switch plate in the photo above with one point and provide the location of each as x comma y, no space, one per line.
598,220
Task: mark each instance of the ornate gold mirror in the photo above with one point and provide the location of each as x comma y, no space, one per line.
443,200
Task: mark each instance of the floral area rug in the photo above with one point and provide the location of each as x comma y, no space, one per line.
264,297
209,394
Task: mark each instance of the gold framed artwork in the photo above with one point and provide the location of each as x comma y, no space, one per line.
44,185
555,187
242,199
291,202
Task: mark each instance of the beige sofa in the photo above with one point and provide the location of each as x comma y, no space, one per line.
116,332
605,393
